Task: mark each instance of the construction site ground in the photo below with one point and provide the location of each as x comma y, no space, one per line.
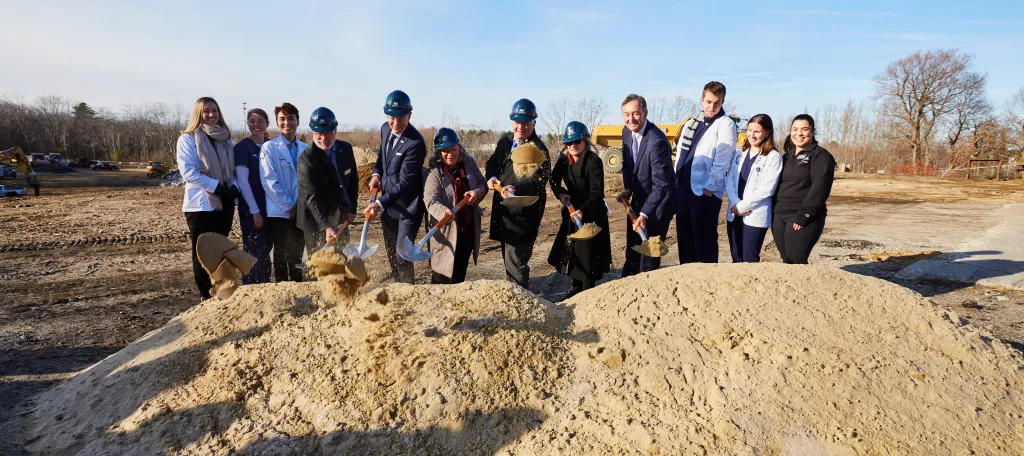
102,258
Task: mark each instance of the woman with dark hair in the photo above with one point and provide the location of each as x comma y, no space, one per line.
578,179
750,185
206,160
804,185
453,175
252,206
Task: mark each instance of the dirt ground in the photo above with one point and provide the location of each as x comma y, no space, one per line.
101,258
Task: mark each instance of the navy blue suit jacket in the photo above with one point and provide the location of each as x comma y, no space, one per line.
402,180
650,178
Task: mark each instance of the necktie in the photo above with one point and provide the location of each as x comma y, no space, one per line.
636,146
334,163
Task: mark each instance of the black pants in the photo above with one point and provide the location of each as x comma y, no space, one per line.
795,246
463,250
288,243
318,239
395,230
745,241
579,286
517,262
206,222
635,262
697,226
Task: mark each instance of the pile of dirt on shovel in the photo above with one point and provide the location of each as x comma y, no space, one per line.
709,359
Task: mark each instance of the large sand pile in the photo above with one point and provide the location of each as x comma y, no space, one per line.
727,359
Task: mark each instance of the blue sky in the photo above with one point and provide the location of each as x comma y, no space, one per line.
474,59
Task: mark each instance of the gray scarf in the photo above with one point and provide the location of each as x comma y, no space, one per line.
216,159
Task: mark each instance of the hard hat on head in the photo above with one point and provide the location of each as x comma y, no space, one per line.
574,131
523,111
445,138
322,120
397,104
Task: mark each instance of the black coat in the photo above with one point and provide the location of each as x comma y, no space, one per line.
584,183
804,185
322,202
517,225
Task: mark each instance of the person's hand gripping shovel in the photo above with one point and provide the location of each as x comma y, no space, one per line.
363,251
651,247
511,200
584,231
415,253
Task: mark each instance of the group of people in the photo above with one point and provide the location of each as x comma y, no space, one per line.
293,196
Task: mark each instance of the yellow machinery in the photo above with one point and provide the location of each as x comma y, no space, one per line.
608,140
156,169
15,156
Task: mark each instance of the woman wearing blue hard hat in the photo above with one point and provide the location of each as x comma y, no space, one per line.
453,175
578,179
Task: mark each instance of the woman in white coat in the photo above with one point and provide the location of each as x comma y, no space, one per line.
750,184
206,160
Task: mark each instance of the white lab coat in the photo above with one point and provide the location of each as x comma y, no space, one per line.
279,176
757,195
198,186
711,157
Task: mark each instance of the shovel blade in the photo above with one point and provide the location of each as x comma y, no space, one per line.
408,251
588,231
652,247
519,201
353,251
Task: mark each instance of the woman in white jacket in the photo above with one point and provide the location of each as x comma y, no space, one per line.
206,160
750,185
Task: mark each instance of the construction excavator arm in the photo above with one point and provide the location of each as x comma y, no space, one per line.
14,155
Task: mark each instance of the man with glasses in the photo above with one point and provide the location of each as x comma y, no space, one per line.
328,183
398,174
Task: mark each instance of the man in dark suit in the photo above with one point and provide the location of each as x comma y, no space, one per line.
517,228
399,174
647,177
328,183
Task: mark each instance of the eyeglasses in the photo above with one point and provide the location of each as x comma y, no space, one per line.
574,143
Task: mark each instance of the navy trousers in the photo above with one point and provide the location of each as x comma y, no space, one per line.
745,241
257,242
394,230
697,226
635,262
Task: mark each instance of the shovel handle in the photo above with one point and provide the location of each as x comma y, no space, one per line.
448,218
579,223
629,210
502,192
373,199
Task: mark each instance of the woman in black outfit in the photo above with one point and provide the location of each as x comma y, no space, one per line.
804,185
578,177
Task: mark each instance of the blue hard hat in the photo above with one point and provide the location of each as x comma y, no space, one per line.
397,104
322,120
523,111
574,131
445,137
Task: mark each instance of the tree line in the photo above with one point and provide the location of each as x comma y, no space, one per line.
930,113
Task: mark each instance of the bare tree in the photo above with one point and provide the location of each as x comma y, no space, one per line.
671,110
923,88
1014,118
55,114
590,111
449,119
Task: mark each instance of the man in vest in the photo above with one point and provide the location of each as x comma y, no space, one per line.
517,228
328,183
702,161
398,174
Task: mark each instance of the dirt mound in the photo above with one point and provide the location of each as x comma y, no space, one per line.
365,173
725,359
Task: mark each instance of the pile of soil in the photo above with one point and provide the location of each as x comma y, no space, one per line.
702,359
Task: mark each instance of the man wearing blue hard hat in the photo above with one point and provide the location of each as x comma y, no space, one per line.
520,164
328,183
398,174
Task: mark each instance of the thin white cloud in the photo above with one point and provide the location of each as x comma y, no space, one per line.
858,14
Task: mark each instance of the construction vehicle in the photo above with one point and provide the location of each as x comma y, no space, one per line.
14,156
156,169
608,141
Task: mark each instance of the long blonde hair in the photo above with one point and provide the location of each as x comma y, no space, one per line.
197,115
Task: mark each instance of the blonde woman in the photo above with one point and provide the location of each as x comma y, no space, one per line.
206,161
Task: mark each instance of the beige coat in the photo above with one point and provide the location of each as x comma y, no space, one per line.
438,195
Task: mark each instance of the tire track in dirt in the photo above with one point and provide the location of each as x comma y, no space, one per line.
93,241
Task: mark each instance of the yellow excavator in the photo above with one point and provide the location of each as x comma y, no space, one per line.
14,156
608,140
